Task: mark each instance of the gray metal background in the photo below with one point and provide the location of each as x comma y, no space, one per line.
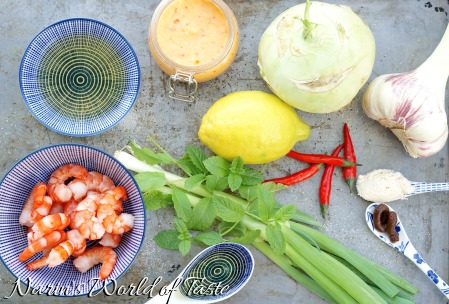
406,32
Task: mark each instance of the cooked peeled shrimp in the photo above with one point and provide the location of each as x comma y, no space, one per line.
41,208
57,188
57,208
47,224
110,240
48,241
99,182
79,188
42,262
118,224
70,211
112,196
60,253
85,219
95,255
78,241
37,194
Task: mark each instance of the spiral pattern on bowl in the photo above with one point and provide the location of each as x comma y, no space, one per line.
79,77
226,265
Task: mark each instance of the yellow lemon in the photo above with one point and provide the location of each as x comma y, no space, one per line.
257,126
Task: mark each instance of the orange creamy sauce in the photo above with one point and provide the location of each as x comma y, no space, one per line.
192,32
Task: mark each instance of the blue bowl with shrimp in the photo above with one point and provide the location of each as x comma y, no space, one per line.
14,192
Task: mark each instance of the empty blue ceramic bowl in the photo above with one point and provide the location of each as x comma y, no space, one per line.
14,190
79,77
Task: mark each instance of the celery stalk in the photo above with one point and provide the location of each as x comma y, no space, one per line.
336,271
297,275
328,244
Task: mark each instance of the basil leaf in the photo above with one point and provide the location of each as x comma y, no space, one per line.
214,182
228,210
285,213
167,239
248,238
251,177
275,238
217,165
234,181
203,215
209,238
184,247
197,156
148,181
182,204
155,200
194,181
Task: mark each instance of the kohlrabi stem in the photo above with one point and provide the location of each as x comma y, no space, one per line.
308,26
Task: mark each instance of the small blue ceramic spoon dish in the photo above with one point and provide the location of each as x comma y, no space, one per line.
215,274
404,246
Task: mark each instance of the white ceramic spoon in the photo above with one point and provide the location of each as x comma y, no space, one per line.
428,187
404,246
227,265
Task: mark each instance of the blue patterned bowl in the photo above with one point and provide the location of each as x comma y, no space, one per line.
14,190
79,77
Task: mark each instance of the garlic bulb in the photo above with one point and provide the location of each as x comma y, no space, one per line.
412,104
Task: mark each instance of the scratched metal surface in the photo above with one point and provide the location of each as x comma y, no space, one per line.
406,32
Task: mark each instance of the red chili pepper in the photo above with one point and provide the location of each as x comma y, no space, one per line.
326,184
321,159
298,176
349,173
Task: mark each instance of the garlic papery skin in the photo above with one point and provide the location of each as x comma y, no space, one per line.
412,104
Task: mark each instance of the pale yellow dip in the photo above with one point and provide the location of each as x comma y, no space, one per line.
383,186
194,33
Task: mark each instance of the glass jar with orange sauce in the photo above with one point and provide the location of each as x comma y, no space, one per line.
193,41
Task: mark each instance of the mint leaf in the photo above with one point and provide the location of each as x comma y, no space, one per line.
149,156
155,200
194,181
251,177
197,156
248,238
274,187
148,181
248,192
184,247
203,215
180,226
228,210
209,238
237,166
182,204
167,239
214,182
265,203
275,238
234,181
217,165
187,165
226,228
285,213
